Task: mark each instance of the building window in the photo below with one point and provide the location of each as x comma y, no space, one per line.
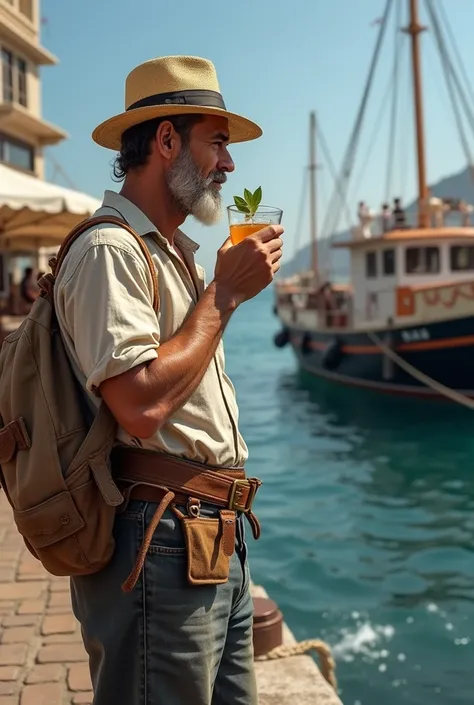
21,65
7,75
14,72
16,153
371,265
462,258
389,262
422,260
26,8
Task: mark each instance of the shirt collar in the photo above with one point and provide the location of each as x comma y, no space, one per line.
137,219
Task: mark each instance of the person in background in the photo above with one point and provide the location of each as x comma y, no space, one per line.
29,289
399,217
386,218
366,217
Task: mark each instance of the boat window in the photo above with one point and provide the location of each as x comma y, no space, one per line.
462,258
22,82
389,262
422,260
371,265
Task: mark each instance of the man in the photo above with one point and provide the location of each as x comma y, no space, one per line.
182,633
29,290
399,216
386,217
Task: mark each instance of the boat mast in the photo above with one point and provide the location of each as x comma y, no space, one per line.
415,29
312,195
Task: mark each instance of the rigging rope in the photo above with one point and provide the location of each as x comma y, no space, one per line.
299,223
450,78
349,157
304,190
333,171
414,372
378,124
449,31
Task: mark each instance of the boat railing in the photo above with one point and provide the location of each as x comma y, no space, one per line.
336,318
331,312
442,212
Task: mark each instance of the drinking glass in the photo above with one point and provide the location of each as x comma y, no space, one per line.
242,225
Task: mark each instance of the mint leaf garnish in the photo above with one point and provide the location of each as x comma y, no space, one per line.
250,202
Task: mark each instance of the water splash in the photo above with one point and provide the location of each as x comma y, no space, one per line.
364,640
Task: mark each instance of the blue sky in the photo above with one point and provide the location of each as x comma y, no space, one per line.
276,61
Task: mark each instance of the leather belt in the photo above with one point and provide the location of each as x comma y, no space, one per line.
166,479
224,487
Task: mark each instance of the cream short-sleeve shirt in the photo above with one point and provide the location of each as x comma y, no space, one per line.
103,299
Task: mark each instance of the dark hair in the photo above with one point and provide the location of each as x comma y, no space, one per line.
136,141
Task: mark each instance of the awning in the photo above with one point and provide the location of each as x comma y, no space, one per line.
35,213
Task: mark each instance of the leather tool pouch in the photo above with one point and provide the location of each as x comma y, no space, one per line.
210,543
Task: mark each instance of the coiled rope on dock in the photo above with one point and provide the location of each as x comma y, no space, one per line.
447,392
326,659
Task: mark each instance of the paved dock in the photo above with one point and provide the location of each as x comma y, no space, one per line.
43,662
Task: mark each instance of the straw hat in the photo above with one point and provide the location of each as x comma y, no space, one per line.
172,85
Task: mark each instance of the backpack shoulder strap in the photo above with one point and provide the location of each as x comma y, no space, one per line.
56,262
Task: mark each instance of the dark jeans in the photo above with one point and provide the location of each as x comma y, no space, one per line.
166,642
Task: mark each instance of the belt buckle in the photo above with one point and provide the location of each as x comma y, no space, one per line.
236,494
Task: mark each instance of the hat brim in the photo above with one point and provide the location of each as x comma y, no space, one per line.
109,133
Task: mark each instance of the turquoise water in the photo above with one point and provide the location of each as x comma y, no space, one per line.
367,510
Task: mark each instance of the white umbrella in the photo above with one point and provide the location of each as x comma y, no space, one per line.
35,213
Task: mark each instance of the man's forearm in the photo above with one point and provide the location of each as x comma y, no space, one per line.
183,360
145,397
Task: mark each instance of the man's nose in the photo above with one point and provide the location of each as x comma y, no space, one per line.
226,162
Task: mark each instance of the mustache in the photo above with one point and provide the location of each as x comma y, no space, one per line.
219,176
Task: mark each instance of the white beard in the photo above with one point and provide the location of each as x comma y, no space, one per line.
193,194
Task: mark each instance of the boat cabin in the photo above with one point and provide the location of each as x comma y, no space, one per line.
397,276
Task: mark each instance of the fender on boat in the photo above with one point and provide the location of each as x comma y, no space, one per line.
332,355
282,338
306,344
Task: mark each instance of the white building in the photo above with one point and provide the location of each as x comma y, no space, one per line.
23,132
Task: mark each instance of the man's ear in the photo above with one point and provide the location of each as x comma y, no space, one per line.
168,141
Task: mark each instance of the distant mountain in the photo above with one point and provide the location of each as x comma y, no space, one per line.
455,186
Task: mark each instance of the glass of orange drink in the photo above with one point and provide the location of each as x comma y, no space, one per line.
243,224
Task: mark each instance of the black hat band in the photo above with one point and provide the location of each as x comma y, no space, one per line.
203,99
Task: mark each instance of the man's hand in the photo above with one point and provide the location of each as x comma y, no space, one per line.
245,269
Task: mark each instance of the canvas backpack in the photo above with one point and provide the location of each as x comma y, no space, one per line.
54,453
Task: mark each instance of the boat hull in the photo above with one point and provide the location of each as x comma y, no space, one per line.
443,350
